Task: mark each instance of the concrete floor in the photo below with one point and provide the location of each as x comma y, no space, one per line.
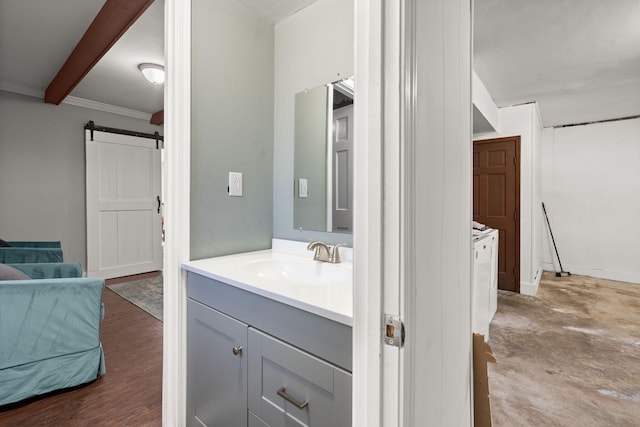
569,356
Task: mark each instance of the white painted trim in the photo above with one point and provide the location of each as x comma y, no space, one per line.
177,173
579,270
329,173
367,238
436,212
78,102
100,106
548,266
531,288
22,90
393,191
539,114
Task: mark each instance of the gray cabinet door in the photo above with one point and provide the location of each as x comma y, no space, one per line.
255,421
288,387
216,368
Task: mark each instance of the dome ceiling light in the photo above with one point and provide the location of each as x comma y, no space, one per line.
154,73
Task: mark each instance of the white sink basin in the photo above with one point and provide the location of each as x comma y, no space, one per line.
318,287
301,271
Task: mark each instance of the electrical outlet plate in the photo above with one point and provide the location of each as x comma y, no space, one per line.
235,184
302,188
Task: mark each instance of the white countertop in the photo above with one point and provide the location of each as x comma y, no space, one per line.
280,274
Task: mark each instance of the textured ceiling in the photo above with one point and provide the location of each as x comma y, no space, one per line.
37,36
579,59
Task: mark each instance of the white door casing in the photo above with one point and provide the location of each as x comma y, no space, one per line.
124,229
177,179
413,212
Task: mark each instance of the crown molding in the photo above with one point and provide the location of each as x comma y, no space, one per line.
78,102
21,89
95,105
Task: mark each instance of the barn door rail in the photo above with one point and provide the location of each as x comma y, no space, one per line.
91,126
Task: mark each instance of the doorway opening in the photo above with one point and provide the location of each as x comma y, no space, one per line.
496,201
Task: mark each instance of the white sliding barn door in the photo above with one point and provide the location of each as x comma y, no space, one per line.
123,205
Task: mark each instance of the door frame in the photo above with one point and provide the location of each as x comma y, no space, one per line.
177,176
429,380
516,140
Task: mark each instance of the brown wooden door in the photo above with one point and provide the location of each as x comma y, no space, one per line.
496,201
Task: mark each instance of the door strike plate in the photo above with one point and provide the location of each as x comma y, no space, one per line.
393,330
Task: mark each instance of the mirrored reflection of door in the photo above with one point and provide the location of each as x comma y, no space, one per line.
343,169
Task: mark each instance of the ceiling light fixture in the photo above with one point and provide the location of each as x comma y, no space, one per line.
154,73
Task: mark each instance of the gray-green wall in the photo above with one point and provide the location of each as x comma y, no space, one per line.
42,170
231,128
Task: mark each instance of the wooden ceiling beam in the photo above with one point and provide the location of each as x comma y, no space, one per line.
113,20
157,118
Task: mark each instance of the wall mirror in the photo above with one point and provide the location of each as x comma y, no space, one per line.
323,158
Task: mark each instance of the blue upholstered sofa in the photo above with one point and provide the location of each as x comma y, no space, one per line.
35,244
49,270
49,331
29,252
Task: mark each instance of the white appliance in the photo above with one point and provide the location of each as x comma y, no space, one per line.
484,286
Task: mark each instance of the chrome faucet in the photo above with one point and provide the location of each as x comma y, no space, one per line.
324,253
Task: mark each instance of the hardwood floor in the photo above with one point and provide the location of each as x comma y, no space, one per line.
130,394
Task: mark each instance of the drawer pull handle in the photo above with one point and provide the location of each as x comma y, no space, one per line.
283,393
237,350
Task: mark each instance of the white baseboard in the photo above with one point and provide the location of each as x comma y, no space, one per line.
532,288
622,276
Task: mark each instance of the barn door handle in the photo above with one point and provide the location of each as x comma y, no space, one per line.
159,203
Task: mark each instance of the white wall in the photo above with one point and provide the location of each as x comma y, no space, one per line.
312,47
524,120
485,110
42,170
231,128
591,188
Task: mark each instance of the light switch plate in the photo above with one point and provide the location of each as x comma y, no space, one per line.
302,188
235,184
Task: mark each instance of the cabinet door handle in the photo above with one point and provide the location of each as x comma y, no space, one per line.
237,350
282,392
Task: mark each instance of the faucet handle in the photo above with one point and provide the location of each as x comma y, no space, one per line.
335,253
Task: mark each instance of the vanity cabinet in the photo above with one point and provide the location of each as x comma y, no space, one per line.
217,367
257,362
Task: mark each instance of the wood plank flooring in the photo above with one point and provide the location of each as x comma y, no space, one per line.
130,394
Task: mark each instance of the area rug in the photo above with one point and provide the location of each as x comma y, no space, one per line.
145,293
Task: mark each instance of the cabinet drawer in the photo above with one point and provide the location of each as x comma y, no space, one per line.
288,387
